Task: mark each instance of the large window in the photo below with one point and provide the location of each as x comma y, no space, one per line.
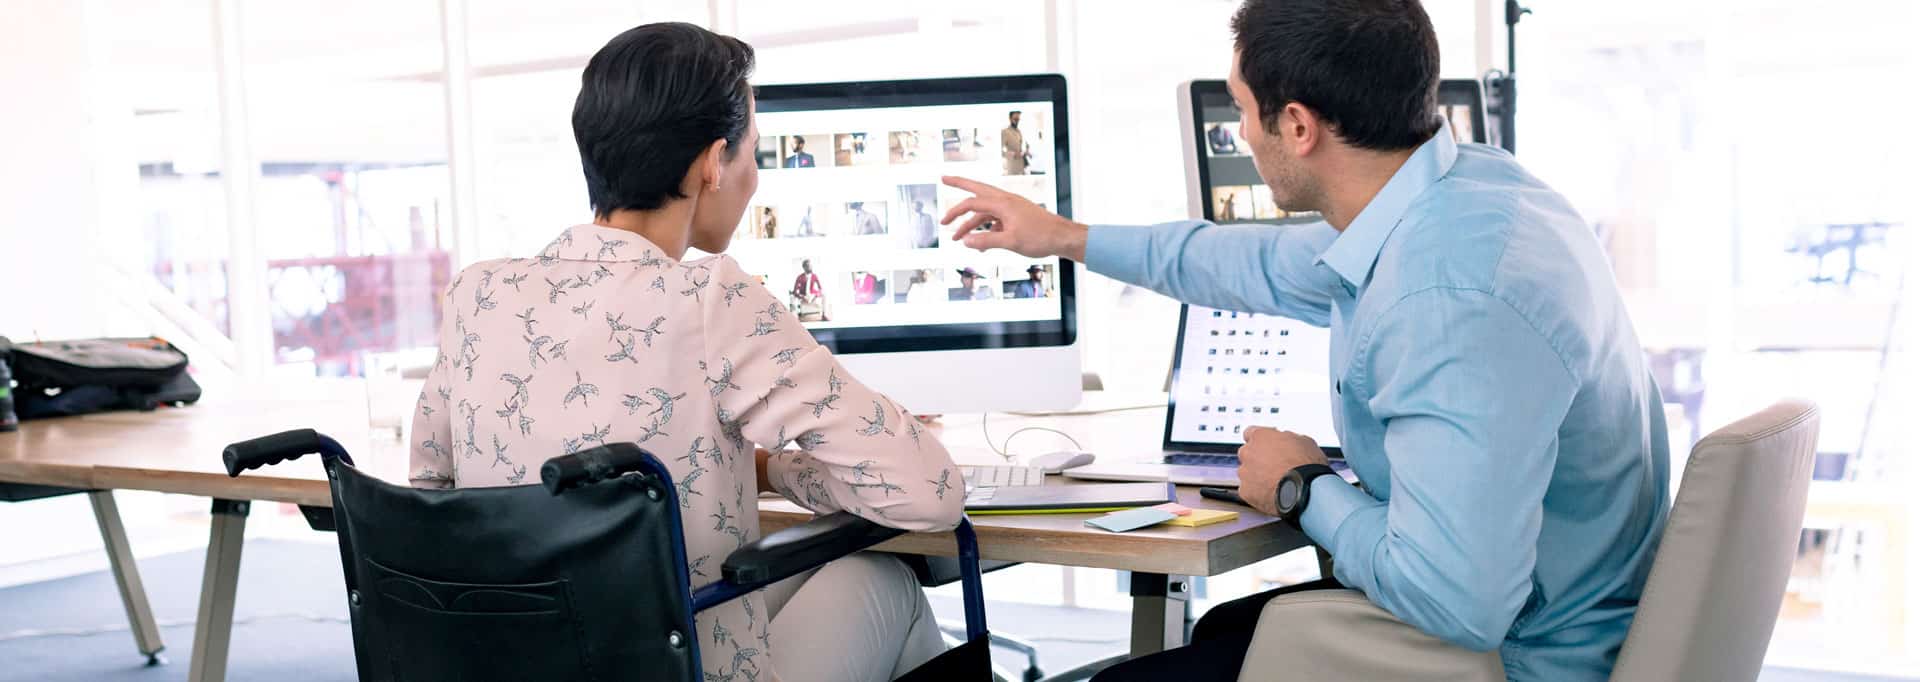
1745,167
351,214
160,59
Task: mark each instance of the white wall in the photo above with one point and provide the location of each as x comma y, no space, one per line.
51,180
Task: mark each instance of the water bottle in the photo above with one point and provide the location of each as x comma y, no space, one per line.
8,421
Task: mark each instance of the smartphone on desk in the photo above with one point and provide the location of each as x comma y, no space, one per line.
1223,495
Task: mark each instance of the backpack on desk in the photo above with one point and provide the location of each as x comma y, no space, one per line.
83,376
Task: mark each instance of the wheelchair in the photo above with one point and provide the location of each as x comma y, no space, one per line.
583,577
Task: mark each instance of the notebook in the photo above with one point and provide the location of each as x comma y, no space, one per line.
1067,499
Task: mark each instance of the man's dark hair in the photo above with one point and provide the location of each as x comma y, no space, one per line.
1371,68
650,103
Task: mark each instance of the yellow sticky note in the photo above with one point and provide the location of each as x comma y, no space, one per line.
1204,517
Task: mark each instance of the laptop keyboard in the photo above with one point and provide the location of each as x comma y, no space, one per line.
1003,475
1202,459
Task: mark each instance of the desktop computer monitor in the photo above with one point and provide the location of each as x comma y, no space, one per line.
1222,184
845,228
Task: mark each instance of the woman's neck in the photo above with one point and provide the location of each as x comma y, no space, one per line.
670,226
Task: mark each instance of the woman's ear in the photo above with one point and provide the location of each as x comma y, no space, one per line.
713,162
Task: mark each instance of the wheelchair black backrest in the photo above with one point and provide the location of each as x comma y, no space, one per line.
516,583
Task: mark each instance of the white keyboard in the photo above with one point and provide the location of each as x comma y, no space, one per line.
1003,475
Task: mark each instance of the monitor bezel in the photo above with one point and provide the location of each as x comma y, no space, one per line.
787,97
1457,91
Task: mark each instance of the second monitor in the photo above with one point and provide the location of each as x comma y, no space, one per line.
845,228
1222,184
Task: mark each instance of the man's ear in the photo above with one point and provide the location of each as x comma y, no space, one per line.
1301,129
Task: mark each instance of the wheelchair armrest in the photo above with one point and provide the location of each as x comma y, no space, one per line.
1342,635
592,465
788,552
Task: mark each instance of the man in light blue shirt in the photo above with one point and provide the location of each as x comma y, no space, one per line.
1488,387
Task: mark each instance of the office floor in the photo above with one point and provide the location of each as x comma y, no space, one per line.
292,625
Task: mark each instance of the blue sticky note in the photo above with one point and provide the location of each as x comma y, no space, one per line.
1131,519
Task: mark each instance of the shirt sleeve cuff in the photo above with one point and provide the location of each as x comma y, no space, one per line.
1329,504
1118,252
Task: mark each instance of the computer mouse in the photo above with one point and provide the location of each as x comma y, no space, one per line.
1056,462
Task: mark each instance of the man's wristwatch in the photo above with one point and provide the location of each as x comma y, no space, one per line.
1291,496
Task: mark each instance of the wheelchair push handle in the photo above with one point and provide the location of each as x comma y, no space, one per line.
276,448
592,465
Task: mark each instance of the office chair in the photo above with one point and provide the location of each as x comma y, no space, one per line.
581,578
1707,612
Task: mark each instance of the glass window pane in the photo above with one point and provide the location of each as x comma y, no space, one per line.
1764,256
348,122
160,61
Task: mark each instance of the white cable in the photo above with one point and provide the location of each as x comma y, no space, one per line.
1001,448
1083,413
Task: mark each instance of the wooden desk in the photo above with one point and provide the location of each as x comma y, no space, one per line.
177,451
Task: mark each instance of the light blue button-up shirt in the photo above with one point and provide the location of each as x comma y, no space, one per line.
1489,391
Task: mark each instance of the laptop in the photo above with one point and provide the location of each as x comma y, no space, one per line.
1232,370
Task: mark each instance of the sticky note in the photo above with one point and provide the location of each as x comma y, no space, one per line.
1131,519
1174,508
1204,517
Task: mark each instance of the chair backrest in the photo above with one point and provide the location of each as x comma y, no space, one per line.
516,583
1720,574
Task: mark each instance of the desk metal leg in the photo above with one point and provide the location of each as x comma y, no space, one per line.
133,594
1160,604
213,629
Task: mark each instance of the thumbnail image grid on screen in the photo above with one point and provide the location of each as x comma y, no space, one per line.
845,225
1246,369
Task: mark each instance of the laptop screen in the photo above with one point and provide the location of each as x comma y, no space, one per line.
1233,370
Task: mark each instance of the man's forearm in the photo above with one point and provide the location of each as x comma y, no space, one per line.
1262,269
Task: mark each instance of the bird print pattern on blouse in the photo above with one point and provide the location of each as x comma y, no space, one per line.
600,338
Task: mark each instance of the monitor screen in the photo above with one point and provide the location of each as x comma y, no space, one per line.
1233,370
1232,191
845,224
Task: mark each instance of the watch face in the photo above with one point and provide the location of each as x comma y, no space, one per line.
1289,493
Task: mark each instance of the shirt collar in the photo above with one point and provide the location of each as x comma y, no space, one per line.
1354,252
595,243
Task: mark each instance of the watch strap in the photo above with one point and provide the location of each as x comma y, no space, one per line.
1304,475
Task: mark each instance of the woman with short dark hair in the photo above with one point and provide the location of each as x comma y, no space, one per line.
608,335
